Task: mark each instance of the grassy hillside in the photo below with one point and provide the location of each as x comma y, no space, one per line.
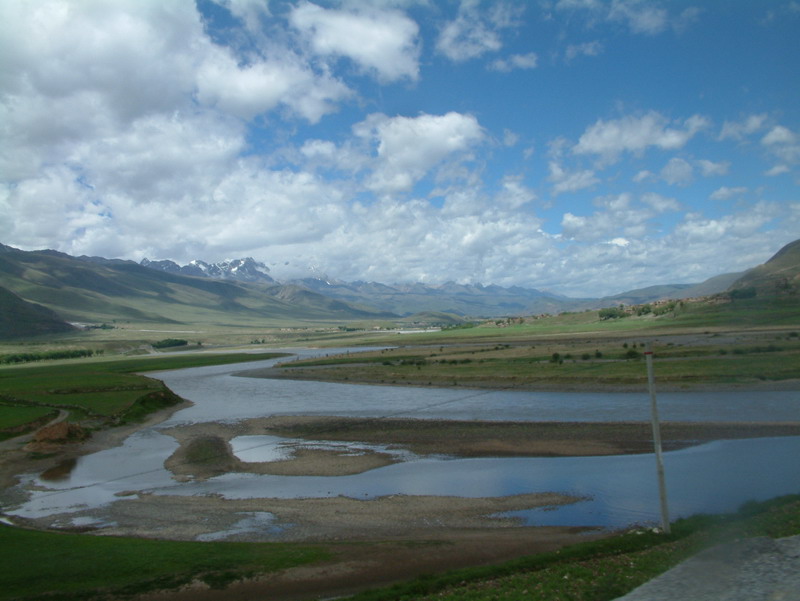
778,276
19,318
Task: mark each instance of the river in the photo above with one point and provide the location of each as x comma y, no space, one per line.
619,490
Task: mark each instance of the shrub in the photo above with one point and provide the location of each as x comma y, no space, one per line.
170,342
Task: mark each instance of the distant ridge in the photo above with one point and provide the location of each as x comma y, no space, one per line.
98,290
240,270
42,290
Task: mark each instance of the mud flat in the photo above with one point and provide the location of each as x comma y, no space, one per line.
205,448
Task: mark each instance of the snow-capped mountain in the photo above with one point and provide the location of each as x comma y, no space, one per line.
241,270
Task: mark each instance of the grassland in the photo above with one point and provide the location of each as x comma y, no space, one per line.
96,393
72,566
744,357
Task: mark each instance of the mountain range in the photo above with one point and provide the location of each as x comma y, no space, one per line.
466,300
41,290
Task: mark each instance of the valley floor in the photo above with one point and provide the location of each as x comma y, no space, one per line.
380,541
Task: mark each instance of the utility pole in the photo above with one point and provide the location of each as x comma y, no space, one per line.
662,487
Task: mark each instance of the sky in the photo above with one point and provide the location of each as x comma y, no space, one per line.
583,147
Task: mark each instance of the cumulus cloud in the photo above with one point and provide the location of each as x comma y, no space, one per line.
474,32
409,147
696,227
618,217
777,170
677,172
726,193
380,41
570,181
609,139
661,204
515,61
710,168
260,87
585,49
738,130
783,143
779,135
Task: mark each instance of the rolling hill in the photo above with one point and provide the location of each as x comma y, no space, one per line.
779,276
95,290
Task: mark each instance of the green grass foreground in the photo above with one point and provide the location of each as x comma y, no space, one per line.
600,570
57,566
104,392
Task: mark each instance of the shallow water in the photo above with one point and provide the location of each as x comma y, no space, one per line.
221,396
715,477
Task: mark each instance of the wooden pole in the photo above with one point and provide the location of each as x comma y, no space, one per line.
662,487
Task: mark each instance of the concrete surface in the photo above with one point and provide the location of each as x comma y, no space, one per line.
755,569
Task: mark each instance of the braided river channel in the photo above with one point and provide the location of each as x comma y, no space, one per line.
618,490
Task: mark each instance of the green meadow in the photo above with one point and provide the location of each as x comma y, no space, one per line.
98,393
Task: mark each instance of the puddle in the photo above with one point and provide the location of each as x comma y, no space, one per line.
256,524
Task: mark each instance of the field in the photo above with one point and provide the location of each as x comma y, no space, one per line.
95,393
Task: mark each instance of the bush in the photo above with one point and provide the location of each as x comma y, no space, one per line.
740,293
612,313
170,342
46,355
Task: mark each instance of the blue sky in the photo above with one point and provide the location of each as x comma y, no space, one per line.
580,146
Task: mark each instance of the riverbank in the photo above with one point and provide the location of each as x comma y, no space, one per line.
22,455
376,375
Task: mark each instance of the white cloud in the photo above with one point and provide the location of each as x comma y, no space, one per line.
410,147
726,193
697,228
677,172
249,11
514,194
777,170
640,16
473,32
381,41
515,61
585,49
617,218
779,135
510,138
710,168
635,134
783,143
565,181
661,204
260,87
740,130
